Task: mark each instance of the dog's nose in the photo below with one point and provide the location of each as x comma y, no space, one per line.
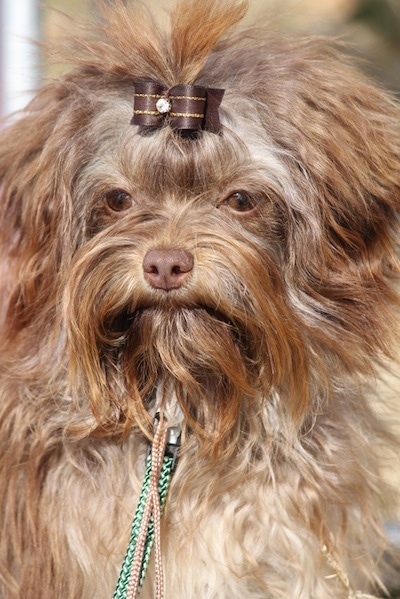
167,268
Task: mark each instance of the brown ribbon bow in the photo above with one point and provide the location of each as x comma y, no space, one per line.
183,107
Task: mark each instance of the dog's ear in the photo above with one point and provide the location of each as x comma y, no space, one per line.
39,155
341,139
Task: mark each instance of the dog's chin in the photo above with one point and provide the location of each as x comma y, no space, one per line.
181,325
198,353
198,340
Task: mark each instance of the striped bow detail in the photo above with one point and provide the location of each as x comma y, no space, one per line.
182,107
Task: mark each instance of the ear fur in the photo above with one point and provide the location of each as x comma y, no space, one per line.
342,139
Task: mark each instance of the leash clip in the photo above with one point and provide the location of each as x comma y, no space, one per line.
173,445
174,434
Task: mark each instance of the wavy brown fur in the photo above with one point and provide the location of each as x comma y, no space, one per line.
270,349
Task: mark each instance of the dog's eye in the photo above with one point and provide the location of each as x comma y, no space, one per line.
239,202
118,200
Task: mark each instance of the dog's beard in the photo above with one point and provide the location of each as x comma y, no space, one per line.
207,361
218,346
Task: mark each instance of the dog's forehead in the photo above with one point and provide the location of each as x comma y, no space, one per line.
164,161
161,161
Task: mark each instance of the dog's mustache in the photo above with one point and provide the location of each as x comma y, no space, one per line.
171,309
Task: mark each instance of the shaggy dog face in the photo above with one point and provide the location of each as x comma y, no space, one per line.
243,281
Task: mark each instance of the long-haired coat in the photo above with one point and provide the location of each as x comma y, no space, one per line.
283,228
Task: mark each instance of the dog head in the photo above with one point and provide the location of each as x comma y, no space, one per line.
247,266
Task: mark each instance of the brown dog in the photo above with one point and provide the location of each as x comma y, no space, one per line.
228,258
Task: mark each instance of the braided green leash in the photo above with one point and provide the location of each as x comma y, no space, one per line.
168,465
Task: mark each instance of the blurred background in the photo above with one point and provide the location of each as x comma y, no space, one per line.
372,27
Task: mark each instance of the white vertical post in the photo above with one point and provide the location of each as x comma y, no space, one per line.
19,69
